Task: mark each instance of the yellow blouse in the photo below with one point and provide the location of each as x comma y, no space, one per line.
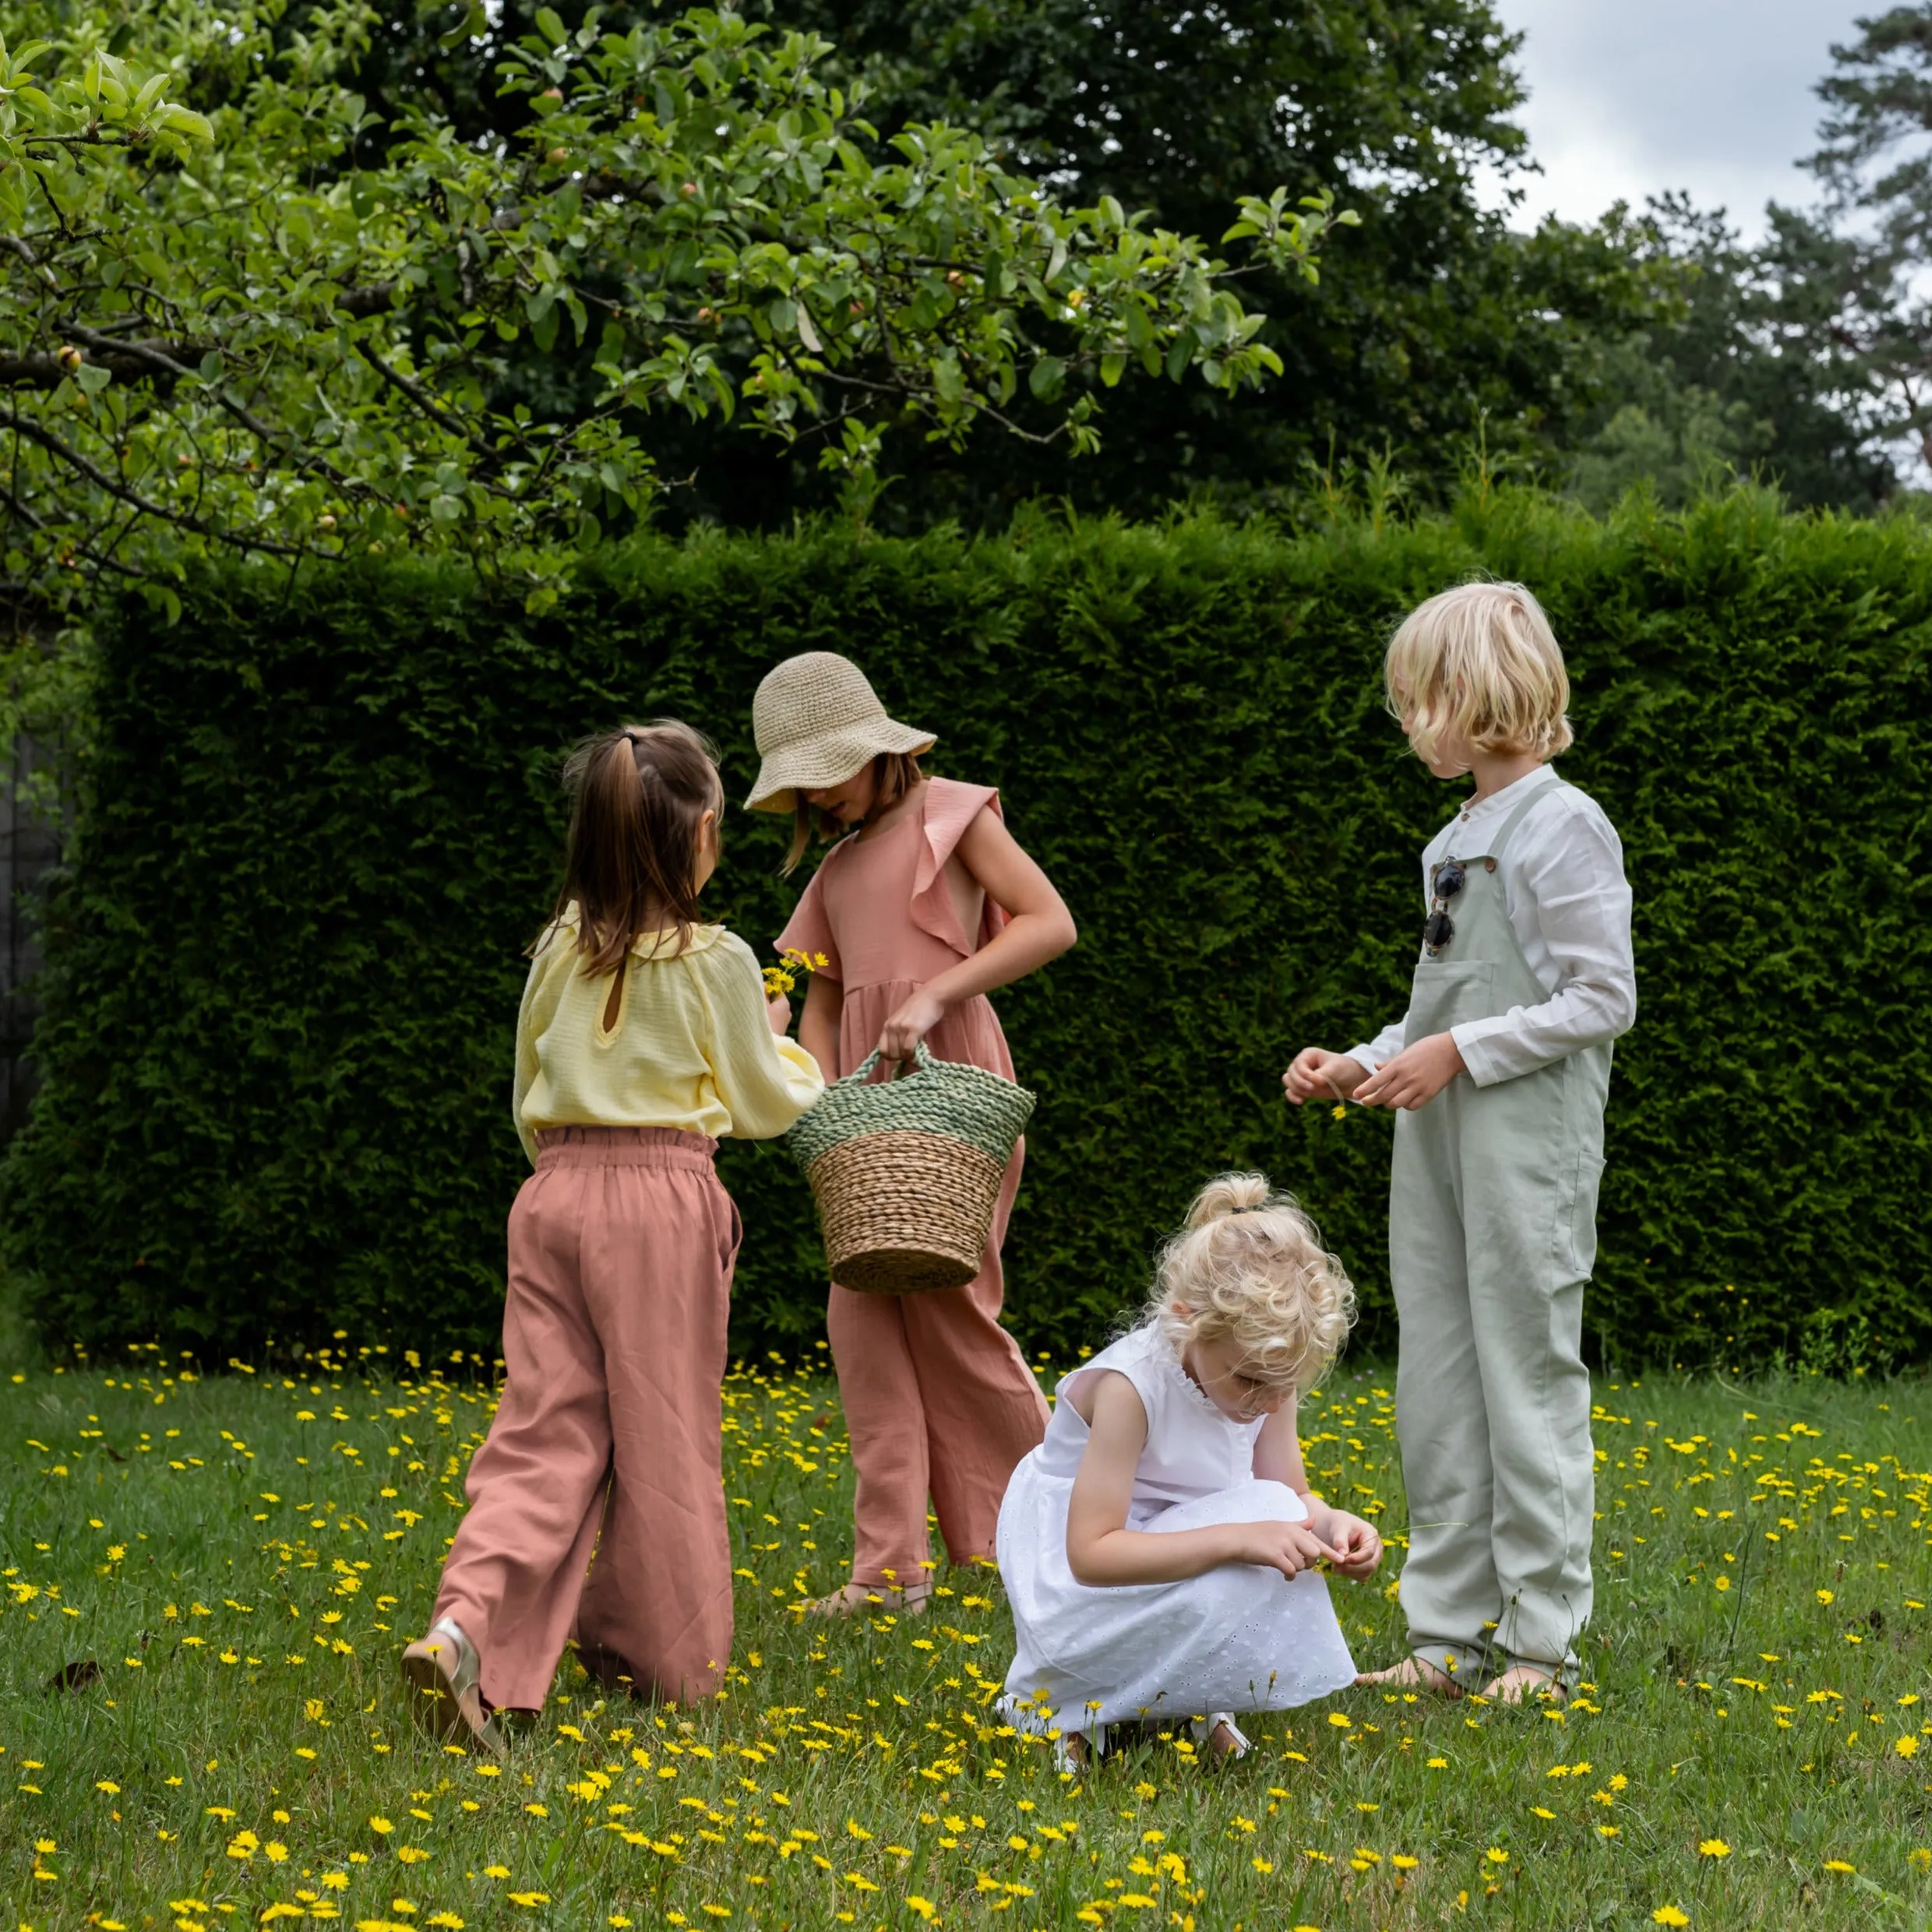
692,1047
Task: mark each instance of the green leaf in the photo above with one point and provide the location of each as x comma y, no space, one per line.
184,120
474,25
551,27
1045,377
92,377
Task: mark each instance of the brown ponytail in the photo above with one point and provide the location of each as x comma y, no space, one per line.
639,796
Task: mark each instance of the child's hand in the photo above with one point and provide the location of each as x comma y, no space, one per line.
1357,1548
1315,1073
1290,1548
1415,1076
778,1015
910,1025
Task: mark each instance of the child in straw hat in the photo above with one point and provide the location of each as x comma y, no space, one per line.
925,905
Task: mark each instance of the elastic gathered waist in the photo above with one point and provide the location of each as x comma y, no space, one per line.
624,1146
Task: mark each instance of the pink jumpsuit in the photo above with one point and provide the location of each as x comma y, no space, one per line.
939,1399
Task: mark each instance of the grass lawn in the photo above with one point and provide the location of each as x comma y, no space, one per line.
230,1565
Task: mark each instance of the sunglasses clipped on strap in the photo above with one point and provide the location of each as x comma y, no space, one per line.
1439,929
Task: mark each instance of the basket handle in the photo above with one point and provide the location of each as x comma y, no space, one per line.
921,1058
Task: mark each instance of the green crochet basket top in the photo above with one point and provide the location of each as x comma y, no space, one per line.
941,1097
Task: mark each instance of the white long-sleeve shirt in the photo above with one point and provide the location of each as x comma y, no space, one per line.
1570,904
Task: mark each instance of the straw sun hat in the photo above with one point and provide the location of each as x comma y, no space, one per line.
818,722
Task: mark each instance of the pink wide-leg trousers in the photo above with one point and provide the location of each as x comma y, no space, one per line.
621,1249
939,1400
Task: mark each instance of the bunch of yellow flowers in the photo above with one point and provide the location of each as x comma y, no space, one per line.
782,977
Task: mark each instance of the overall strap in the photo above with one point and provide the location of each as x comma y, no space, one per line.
1516,818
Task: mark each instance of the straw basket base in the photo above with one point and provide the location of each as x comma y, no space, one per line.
905,1212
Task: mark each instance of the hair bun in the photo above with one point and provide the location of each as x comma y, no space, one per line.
1228,1194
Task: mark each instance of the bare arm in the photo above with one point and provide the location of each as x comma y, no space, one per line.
1278,1458
819,1024
1101,1550
1039,928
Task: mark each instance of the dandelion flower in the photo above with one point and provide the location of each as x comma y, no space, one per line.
1713,1848
1670,1915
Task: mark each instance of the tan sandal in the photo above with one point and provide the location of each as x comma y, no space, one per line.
856,1600
443,1671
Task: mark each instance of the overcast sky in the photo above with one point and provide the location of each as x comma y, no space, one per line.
1631,97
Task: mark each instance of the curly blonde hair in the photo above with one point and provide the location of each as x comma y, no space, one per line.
1249,1263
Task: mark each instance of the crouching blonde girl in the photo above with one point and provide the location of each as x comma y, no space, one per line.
1158,1547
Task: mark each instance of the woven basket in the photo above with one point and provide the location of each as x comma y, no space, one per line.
906,1172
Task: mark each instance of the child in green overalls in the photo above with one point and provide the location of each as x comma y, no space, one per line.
1499,1069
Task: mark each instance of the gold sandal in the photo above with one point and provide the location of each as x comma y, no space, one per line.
446,1674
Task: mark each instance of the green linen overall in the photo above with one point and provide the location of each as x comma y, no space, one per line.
1492,1235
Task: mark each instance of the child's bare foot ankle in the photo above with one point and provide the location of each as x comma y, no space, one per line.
1225,1742
1525,1683
1412,1673
1221,1735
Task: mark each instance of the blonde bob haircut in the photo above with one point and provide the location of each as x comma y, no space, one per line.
1480,664
1249,1264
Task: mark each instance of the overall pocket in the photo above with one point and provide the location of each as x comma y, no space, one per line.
1576,1231
1445,992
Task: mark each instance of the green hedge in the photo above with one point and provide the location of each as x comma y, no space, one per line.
321,822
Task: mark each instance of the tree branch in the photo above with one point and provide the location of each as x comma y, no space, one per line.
424,401
129,361
65,452
156,356
375,299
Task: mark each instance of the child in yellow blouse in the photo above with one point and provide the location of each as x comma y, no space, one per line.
644,1037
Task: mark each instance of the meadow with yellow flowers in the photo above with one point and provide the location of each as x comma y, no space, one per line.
209,1577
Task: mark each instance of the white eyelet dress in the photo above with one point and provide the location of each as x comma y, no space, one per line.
1240,1637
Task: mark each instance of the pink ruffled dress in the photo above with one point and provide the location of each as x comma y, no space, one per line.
939,1400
